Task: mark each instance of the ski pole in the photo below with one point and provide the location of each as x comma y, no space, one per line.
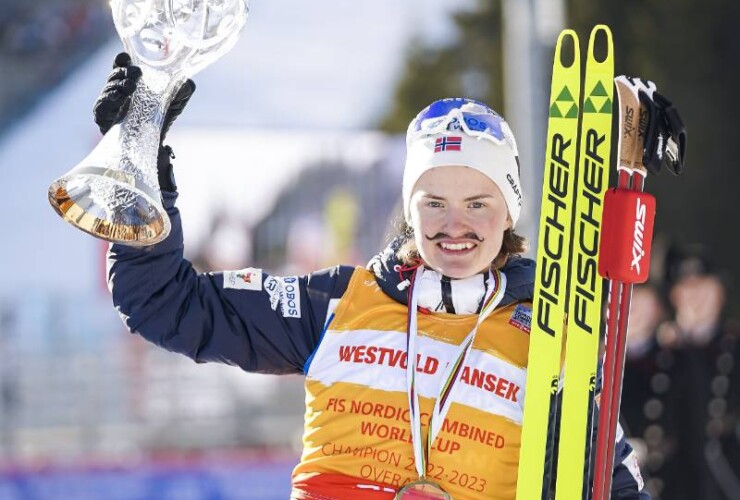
618,263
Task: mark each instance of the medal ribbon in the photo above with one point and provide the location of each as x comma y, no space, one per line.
494,295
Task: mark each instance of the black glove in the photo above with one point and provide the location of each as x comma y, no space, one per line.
665,135
113,102
165,171
176,106
115,99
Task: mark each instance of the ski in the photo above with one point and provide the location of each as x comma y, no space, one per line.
553,251
584,289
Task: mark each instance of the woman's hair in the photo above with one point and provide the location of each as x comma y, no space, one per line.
408,253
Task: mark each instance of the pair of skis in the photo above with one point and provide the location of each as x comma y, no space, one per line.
567,295
562,368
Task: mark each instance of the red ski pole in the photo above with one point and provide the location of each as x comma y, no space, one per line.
624,259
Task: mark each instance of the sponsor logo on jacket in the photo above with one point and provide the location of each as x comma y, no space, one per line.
284,292
290,297
521,318
245,279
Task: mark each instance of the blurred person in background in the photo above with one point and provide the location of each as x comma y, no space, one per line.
706,382
378,344
682,388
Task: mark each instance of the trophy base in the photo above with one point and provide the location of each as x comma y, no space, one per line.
110,209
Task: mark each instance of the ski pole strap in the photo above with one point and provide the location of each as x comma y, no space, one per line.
665,137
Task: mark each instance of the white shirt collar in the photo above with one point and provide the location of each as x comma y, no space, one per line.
439,293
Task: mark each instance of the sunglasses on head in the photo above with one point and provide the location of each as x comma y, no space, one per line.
459,114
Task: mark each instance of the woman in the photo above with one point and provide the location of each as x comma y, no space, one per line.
415,366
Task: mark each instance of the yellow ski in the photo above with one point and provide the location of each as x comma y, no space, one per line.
585,284
553,250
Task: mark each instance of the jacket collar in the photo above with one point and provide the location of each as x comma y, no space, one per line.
389,274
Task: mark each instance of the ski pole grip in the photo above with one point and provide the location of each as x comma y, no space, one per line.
626,235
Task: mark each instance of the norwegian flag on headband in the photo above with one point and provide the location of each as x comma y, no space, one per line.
448,144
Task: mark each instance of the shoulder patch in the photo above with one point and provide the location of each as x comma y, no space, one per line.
246,279
273,286
521,318
290,297
286,293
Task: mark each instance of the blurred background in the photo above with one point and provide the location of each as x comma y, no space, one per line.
289,157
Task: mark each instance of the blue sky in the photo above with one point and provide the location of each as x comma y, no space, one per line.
327,64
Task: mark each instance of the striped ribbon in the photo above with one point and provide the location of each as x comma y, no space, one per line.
494,295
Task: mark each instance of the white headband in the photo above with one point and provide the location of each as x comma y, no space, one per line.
497,161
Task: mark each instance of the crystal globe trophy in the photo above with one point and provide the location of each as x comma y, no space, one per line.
113,193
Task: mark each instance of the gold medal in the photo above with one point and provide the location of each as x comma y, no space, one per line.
422,490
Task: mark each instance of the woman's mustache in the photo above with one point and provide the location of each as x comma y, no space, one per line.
440,236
